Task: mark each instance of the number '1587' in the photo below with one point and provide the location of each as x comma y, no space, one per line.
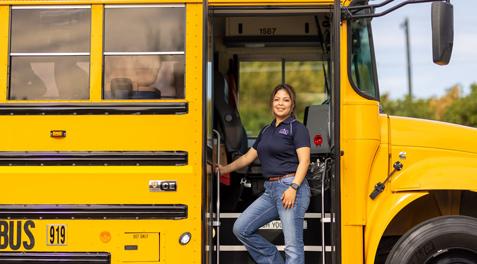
268,31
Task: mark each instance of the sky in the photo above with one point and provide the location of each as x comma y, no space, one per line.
428,79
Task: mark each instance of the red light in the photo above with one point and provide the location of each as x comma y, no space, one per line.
318,140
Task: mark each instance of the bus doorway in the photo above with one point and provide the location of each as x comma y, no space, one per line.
252,51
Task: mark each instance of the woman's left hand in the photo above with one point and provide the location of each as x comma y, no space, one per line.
288,198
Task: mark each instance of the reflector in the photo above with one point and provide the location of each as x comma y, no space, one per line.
318,140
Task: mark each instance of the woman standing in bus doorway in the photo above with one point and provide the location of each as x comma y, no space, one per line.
283,148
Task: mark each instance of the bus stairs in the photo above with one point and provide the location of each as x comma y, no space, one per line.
232,250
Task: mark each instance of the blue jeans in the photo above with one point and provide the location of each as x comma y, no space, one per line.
269,207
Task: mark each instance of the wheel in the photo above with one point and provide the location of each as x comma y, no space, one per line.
441,240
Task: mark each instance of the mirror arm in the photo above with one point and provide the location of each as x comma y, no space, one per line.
349,13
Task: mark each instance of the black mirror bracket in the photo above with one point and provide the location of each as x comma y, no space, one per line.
351,12
442,22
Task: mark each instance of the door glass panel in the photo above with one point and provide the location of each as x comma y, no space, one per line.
258,78
362,62
256,82
308,80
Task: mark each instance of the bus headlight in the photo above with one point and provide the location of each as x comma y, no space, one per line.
184,239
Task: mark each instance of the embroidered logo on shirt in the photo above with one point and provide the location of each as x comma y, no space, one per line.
283,131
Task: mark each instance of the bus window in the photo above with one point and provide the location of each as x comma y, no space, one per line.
144,52
49,55
363,72
258,78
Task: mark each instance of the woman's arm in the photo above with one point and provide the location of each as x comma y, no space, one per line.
303,163
288,197
239,163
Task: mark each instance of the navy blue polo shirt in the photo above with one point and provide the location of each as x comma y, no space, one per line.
276,146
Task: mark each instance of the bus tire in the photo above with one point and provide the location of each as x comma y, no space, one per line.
444,239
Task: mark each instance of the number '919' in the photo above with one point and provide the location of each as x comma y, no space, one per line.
56,235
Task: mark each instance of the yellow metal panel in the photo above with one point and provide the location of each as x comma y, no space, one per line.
147,244
360,141
381,163
415,132
433,169
88,2
383,124
437,162
4,44
104,132
361,121
115,184
104,100
268,2
103,185
378,173
356,167
194,52
161,244
273,2
381,212
96,57
352,248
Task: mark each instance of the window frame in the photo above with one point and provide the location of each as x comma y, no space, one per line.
147,53
373,61
11,54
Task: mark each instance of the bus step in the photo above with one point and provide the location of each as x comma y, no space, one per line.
273,232
242,257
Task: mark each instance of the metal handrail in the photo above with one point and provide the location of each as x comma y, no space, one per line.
323,244
216,223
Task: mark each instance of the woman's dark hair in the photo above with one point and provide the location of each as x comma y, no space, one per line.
290,91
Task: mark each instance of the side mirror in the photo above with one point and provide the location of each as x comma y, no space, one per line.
442,32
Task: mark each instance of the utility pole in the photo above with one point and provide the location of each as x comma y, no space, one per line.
405,25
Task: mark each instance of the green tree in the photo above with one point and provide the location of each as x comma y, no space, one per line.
409,107
452,107
463,110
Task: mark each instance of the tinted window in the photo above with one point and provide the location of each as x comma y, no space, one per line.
49,78
49,58
144,52
144,29
144,77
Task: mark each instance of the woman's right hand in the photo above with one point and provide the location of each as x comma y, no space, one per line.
221,169
239,163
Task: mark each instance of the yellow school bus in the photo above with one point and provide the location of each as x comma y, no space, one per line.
113,114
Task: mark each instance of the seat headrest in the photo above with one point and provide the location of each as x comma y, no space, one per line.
121,88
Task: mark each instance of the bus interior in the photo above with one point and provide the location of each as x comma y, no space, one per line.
251,52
